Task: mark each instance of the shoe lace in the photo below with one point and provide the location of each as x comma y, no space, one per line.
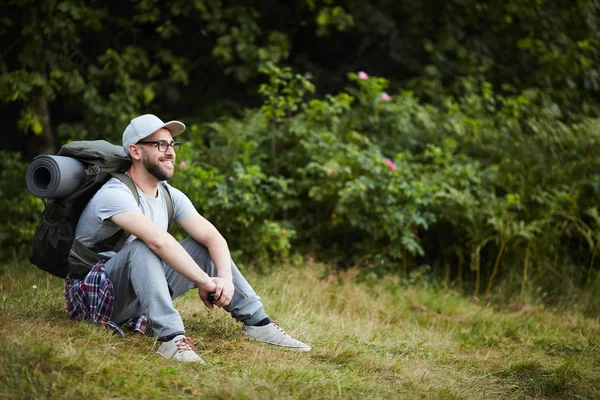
185,344
278,327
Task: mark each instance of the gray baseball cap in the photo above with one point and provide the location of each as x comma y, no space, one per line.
144,126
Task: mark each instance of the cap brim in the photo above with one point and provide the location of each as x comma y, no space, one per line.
175,127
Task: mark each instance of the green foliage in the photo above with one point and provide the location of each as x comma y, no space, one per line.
238,43
100,87
20,210
485,181
234,193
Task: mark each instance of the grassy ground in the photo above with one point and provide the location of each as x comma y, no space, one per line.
379,341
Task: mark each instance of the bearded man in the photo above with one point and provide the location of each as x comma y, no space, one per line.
153,268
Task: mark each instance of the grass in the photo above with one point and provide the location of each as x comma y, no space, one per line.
380,340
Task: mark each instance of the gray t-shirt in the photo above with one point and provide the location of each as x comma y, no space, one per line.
114,198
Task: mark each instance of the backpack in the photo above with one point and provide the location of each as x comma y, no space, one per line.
55,249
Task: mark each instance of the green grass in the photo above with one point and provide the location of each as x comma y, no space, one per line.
383,340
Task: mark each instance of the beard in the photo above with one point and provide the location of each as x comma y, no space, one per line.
155,169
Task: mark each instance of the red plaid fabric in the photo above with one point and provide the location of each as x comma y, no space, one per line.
92,299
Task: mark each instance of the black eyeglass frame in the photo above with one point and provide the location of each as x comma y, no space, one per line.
158,143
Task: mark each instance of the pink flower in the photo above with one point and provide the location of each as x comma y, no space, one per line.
390,164
363,75
385,97
182,165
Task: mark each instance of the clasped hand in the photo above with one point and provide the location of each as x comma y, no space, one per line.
221,287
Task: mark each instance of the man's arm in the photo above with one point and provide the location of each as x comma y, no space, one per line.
205,233
167,248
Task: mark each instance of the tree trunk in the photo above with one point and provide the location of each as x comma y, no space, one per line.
45,143
460,274
446,273
525,269
495,269
477,275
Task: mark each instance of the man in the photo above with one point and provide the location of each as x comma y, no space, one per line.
152,268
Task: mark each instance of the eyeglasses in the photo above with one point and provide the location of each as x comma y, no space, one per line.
163,145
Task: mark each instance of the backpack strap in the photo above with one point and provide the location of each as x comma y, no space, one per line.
131,185
169,200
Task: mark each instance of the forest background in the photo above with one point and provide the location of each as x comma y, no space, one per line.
454,141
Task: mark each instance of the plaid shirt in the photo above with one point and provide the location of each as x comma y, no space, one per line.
92,299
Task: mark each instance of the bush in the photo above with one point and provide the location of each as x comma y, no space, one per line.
20,210
481,182
472,188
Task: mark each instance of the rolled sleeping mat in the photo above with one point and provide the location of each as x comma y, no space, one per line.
54,177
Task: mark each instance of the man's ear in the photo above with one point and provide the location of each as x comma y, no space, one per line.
134,152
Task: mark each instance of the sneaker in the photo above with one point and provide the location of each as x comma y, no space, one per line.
273,334
180,348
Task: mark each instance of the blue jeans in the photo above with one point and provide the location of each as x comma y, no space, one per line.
144,284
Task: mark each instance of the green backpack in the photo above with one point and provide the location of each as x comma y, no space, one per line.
55,249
